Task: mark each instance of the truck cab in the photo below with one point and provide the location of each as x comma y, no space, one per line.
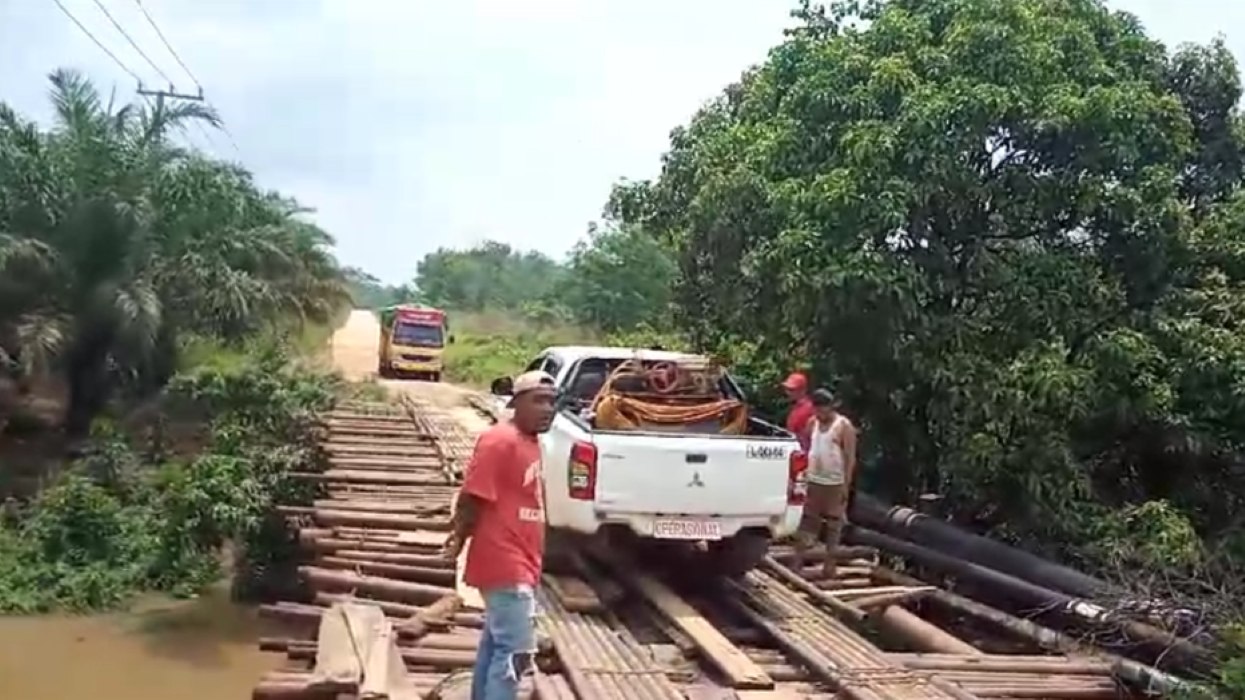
412,342
729,489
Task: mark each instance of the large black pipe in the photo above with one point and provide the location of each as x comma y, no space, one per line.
1172,652
1147,679
908,524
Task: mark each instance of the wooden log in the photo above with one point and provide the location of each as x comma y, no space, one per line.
392,608
436,614
404,507
1006,663
400,572
740,671
850,595
895,598
391,521
349,476
445,641
416,656
432,561
386,588
412,538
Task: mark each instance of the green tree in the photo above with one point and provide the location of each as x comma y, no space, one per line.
114,242
489,276
617,279
1003,228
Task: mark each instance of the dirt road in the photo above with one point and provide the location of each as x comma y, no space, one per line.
354,348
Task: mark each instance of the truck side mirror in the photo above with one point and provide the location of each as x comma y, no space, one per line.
502,386
451,339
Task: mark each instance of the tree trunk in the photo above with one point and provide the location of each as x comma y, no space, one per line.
89,388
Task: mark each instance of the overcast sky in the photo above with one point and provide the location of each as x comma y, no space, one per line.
414,124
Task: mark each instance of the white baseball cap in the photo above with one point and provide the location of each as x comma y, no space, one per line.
531,381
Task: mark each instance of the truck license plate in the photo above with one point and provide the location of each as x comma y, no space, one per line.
683,529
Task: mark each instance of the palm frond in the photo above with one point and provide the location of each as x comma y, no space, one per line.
36,339
75,100
114,240
16,250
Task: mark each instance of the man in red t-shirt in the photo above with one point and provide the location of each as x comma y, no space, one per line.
799,420
501,510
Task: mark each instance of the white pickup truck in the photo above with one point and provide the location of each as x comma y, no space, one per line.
732,493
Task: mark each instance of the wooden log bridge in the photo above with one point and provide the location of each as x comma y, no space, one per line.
386,616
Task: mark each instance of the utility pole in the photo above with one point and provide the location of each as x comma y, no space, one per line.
171,93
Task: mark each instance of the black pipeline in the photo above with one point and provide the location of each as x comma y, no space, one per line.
1176,653
1147,679
910,525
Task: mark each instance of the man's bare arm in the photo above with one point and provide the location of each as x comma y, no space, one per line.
466,513
849,453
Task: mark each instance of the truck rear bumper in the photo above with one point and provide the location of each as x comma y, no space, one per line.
589,520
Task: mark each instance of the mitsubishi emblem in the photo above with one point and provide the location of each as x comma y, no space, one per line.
696,481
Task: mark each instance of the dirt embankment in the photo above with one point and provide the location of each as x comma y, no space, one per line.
354,349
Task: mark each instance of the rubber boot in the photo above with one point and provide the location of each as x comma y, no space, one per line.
833,531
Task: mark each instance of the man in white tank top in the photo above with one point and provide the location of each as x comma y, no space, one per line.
831,468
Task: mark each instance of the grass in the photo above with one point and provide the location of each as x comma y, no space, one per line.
491,345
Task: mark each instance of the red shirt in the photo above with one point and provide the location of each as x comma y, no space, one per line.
508,542
799,418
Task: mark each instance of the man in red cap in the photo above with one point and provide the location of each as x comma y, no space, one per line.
799,420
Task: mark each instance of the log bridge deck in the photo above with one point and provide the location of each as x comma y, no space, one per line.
385,616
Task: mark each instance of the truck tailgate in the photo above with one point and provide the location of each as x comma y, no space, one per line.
691,475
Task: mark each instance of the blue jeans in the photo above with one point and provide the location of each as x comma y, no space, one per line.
508,644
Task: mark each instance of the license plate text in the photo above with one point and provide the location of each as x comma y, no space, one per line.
684,529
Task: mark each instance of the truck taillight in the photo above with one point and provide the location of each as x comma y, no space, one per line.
797,475
581,472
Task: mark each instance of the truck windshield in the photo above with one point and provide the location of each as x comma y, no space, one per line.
417,335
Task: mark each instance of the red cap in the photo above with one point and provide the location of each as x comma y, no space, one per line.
795,381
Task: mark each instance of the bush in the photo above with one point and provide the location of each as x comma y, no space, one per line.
487,346
116,524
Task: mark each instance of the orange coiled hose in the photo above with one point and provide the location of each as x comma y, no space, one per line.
615,410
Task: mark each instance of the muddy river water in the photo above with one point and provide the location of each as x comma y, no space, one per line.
203,649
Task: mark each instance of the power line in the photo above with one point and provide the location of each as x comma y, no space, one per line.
177,57
133,43
134,75
98,43
151,20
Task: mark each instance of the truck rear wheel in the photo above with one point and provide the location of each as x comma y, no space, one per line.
736,556
434,376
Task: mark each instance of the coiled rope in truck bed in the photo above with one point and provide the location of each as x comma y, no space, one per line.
662,397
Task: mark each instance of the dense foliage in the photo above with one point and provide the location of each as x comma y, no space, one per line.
125,262
1007,232
135,515
115,244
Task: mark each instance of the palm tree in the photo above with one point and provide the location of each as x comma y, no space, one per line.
113,241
